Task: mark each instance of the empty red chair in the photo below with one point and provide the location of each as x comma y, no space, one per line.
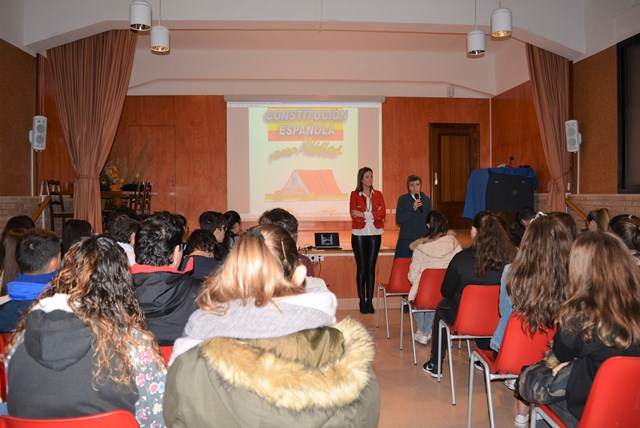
426,301
478,317
614,399
518,349
115,418
398,285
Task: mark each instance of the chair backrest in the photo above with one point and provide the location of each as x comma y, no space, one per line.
478,314
141,200
519,348
429,288
166,352
399,278
54,191
614,399
115,418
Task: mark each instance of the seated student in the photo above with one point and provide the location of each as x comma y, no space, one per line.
261,349
598,320
434,251
288,222
598,220
8,266
482,264
123,229
534,284
166,295
234,228
38,256
200,254
83,348
72,231
568,221
215,223
627,228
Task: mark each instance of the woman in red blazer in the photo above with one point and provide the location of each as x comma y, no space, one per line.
367,209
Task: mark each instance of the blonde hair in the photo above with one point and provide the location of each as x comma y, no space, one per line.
258,268
603,291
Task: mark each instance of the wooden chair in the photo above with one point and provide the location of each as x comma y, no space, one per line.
398,285
426,301
518,349
115,418
56,203
477,318
140,202
614,399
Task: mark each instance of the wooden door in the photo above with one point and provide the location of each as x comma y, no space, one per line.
149,151
454,153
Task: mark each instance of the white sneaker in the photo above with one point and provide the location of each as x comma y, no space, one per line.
510,383
521,421
422,338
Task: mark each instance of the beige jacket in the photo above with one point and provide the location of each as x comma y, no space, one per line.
431,254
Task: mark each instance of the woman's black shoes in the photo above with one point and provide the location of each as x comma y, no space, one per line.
369,308
363,307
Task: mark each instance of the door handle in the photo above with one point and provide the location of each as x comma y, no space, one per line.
435,180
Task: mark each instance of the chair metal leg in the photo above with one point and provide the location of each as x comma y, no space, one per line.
487,381
469,347
453,386
413,340
378,307
401,321
441,326
470,406
386,312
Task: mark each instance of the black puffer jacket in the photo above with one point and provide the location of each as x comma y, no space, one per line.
168,299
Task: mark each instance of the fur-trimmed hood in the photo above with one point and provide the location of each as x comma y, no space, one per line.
335,379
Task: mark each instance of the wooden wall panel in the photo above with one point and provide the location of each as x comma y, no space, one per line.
516,132
18,79
405,137
595,106
201,155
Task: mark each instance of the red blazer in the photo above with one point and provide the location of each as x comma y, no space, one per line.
359,202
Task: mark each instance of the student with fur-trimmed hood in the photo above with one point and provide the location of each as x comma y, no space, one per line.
262,352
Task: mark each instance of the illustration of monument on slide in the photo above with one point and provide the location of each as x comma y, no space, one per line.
308,185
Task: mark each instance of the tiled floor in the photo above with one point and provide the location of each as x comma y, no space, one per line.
411,398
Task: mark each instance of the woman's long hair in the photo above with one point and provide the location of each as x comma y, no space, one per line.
603,291
538,275
492,247
96,277
437,225
258,268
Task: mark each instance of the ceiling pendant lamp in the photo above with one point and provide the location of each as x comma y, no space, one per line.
501,22
475,38
160,36
140,15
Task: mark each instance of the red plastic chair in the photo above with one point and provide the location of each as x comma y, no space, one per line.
518,349
478,317
3,373
398,285
426,301
166,352
614,399
115,418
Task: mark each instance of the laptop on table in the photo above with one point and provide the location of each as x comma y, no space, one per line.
327,241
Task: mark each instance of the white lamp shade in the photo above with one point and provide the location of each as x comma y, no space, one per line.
159,38
475,43
501,22
140,15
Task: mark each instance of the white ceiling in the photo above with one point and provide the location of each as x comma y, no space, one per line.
326,48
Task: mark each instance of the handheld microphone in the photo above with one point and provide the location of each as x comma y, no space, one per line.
417,196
